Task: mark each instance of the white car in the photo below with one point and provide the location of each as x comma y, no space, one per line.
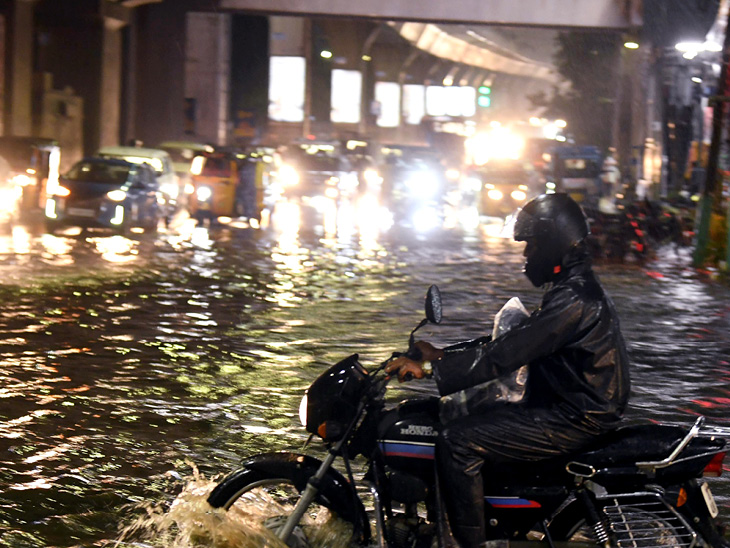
160,161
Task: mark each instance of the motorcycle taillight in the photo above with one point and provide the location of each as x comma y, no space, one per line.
714,467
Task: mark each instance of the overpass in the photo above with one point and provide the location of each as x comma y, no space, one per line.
608,14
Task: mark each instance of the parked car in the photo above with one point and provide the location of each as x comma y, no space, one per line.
161,163
105,193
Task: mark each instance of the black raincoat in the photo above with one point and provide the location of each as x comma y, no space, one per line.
573,345
577,388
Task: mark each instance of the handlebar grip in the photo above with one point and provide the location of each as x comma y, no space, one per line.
408,377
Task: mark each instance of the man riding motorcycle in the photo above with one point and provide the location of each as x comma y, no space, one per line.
578,382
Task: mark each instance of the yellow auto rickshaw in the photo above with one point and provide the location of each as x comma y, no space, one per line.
215,178
34,166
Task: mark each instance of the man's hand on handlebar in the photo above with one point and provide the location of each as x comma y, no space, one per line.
410,365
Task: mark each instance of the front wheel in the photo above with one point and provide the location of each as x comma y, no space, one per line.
268,501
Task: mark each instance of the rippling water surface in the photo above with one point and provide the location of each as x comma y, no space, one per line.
132,371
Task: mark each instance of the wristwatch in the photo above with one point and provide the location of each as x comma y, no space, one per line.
427,368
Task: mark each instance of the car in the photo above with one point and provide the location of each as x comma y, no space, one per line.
182,154
314,170
161,162
105,193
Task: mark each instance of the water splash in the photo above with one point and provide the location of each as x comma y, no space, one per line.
190,522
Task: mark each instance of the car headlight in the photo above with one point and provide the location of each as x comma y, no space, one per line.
495,194
372,177
22,179
303,411
288,176
61,191
116,195
518,195
204,193
424,183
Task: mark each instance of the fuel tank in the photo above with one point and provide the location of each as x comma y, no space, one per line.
407,436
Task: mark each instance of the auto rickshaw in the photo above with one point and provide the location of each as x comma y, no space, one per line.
34,165
215,177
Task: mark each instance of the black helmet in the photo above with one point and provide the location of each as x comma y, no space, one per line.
552,224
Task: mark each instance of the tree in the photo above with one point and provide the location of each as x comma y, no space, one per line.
589,62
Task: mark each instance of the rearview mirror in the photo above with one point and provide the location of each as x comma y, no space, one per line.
433,304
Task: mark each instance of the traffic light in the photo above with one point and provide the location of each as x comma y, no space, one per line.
484,96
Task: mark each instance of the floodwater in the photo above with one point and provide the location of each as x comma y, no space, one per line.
135,370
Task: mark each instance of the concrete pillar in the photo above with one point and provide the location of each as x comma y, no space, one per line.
207,69
111,81
21,70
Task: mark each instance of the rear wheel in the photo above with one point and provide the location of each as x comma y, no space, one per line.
632,527
268,502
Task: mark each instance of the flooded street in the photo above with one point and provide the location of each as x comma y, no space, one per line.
128,364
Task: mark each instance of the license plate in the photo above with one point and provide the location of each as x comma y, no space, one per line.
81,212
709,500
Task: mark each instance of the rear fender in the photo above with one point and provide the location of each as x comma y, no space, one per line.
335,492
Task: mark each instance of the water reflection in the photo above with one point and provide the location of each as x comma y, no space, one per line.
125,360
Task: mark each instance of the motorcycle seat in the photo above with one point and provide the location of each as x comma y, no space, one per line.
630,444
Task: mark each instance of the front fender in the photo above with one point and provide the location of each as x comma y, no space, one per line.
335,492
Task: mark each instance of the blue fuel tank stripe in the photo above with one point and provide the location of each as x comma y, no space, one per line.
420,451
499,502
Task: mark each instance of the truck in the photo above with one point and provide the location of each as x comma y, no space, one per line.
576,170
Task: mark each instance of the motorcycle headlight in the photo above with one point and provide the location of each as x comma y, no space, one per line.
204,193
303,411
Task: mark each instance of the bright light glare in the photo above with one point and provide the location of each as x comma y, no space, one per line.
118,218
116,195
288,176
372,177
518,195
196,166
631,45
424,183
21,179
156,163
495,194
498,143
204,193
425,219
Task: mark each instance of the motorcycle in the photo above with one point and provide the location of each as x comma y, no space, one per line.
640,485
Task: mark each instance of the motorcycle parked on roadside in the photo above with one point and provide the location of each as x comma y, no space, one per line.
639,486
